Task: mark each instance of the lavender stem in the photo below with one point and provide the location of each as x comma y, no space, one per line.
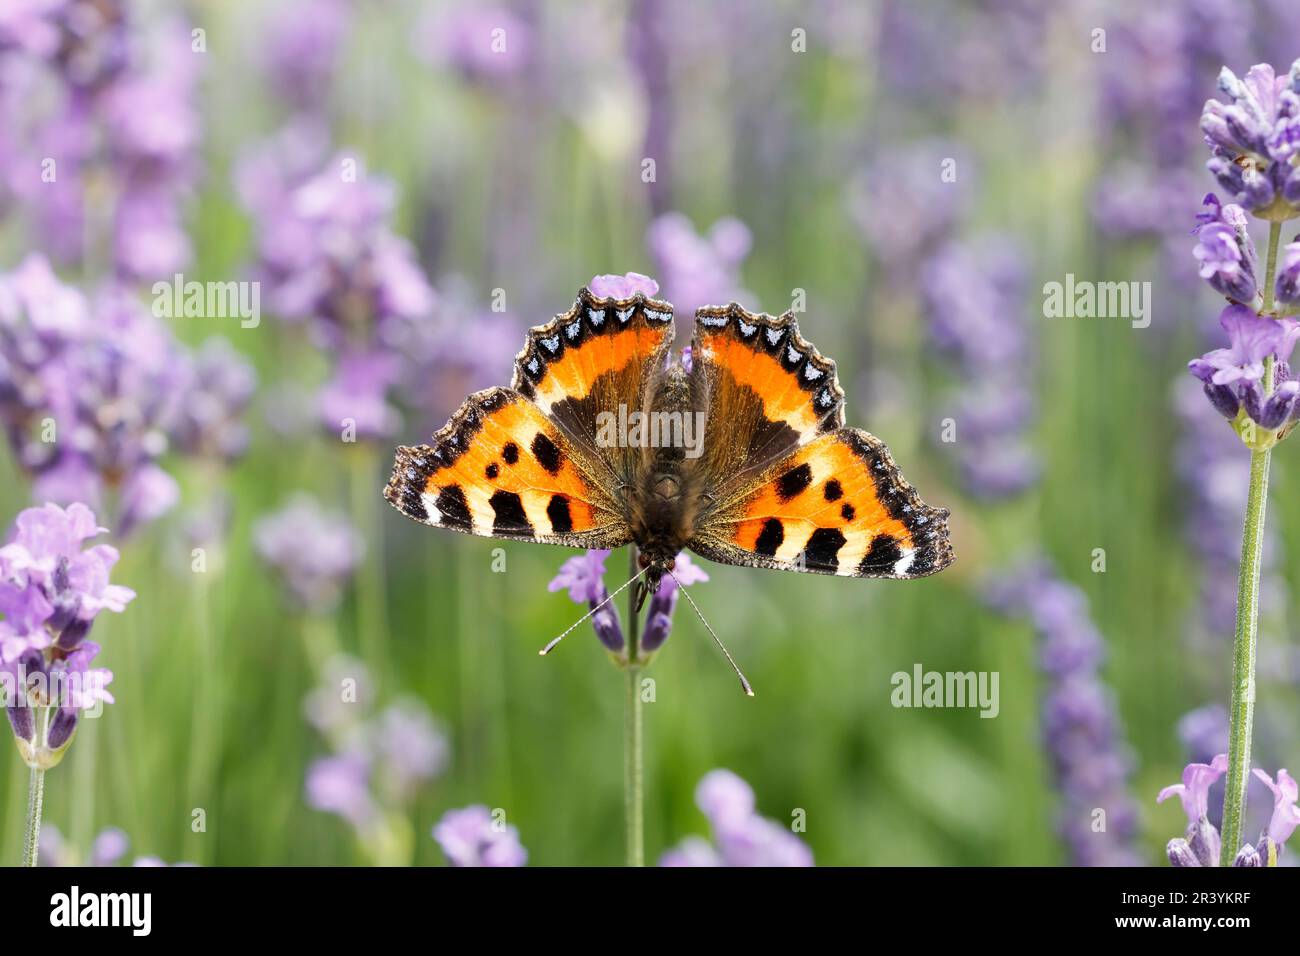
35,799
633,778
1241,714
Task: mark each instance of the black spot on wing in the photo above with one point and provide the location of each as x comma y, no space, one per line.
451,505
510,517
492,470
546,453
510,453
770,538
794,481
558,512
848,511
883,554
823,547
833,490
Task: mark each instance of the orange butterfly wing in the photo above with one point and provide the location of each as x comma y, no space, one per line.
524,462
790,487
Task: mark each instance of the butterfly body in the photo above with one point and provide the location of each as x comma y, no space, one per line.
741,455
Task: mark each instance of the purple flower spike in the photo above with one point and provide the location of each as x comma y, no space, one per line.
1286,288
473,836
1286,815
1253,137
315,551
622,287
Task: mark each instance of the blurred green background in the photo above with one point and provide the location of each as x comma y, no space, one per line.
531,182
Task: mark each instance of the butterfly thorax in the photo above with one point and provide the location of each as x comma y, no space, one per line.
664,499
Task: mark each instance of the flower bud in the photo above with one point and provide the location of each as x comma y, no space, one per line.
1247,856
1180,854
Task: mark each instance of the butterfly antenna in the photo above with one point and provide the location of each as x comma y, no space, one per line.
744,684
623,587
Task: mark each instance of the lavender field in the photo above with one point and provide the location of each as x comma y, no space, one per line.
247,249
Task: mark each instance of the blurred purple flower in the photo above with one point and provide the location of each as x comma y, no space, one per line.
305,41
218,385
743,837
484,43
904,205
659,616
972,294
699,270
411,748
357,395
472,836
315,551
340,784
1081,728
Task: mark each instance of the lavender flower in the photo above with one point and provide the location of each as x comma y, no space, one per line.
218,385
659,617
484,44
623,287
331,261
304,44
1234,376
1081,728
51,591
1253,137
1202,844
379,762
1286,815
474,836
341,785
742,837
584,578
699,270
1226,252
315,551
90,394
972,296
1287,285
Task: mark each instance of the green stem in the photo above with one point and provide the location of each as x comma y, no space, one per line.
372,614
633,777
35,798
1241,713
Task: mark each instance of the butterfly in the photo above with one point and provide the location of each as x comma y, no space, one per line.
736,450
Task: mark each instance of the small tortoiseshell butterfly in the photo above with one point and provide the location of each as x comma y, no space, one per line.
778,481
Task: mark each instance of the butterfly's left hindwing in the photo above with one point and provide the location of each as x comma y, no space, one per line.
501,468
